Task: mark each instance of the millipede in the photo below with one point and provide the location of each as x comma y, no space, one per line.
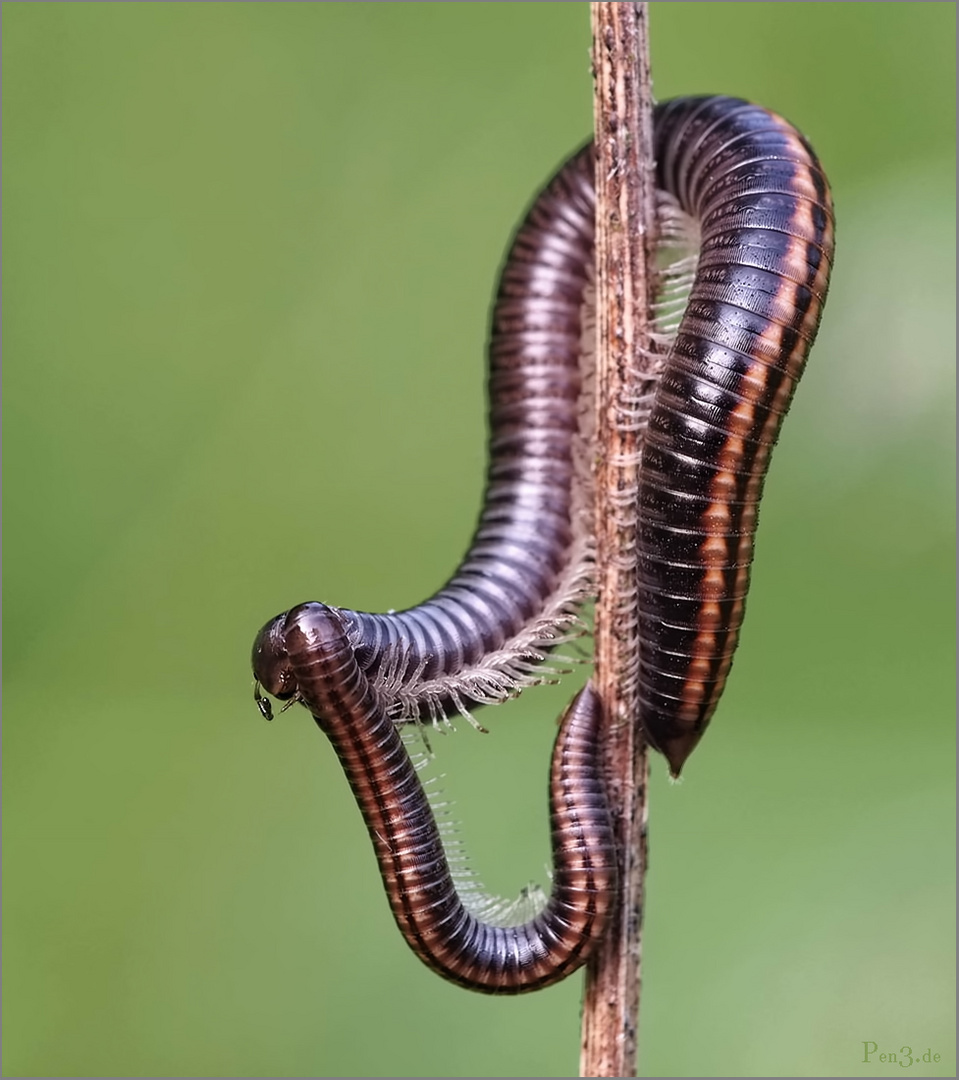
760,203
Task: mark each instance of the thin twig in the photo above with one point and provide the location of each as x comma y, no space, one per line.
625,222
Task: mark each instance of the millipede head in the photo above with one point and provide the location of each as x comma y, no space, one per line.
271,666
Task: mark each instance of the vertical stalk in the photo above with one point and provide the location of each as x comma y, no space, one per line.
625,222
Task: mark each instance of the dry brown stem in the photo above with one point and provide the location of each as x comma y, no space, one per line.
625,223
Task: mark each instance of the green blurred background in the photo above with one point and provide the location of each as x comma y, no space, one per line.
249,252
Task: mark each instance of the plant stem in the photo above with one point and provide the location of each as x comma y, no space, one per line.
625,223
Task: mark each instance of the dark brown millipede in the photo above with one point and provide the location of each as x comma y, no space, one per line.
761,202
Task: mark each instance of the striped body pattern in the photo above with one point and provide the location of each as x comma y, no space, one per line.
430,914
761,205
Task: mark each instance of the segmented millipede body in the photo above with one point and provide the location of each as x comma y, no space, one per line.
762,203
527,568
762,206
438,927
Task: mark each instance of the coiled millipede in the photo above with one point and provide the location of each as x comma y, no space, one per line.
761,204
